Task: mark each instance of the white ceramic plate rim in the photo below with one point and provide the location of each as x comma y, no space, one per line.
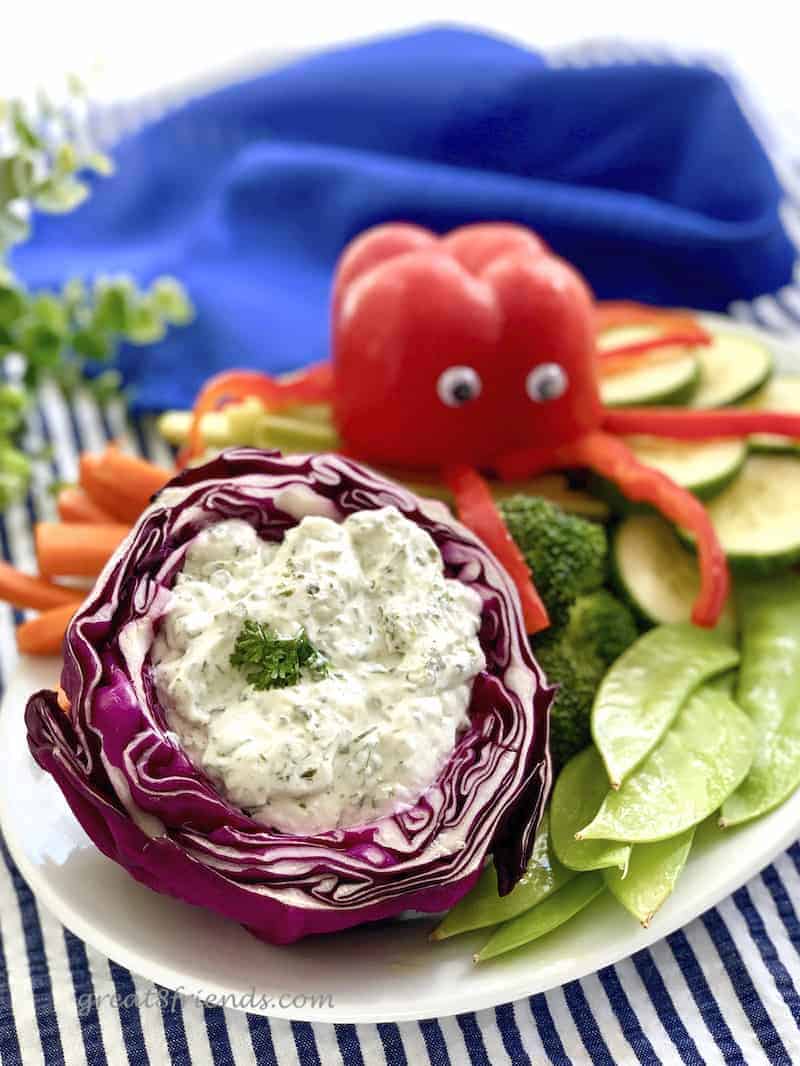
599,937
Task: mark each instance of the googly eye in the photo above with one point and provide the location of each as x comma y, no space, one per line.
458,385
547,381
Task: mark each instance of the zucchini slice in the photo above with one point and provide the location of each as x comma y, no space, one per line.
652,569
653,383
757,518
655,573
779,394
732,368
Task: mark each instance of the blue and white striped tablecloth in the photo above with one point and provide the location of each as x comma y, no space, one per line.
722,990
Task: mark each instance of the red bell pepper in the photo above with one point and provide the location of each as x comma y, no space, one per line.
476,508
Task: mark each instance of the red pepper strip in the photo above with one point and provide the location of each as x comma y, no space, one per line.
612,459
683,424
611,314
627,356
477,510
313,385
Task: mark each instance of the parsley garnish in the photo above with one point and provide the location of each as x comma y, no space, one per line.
269,661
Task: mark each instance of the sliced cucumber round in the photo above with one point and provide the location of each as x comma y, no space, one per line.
652,569
732,368
653,383
757,518
656,574
779,394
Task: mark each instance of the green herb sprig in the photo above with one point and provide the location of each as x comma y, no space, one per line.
269,661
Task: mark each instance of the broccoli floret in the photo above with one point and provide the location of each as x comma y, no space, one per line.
601,625
571,712
576,656
567,554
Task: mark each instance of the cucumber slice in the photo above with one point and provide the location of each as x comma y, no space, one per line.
656,574
756,517
653,383
779,394
652,569
732,368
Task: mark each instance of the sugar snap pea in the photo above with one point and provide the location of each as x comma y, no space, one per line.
645,688
580,789
701,759
652,873
482,906
769,692
544,918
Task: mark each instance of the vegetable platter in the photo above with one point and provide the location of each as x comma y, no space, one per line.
304,696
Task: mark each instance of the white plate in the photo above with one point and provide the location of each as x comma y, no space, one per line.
386,972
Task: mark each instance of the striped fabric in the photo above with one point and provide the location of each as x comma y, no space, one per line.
722,990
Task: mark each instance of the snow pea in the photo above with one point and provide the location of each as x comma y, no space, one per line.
482,905
579,791
701,759
548,915
769,692
652,873
643,691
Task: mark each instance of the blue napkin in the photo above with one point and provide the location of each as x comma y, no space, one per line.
648,177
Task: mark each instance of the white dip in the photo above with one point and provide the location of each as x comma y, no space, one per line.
401,644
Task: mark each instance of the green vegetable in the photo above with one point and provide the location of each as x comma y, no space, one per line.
733,367
755,518
566,554
651,876
571,711
482,906
646,687
700,761
769,692
579,791
672,382
599,628
269,661
544,918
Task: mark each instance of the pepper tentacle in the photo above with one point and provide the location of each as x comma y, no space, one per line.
476,508
700,424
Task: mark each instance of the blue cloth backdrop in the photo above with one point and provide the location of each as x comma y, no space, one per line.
648,177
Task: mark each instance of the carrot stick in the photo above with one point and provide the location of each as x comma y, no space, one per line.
74,505
24,590
120,484
44,634
76,550
63,700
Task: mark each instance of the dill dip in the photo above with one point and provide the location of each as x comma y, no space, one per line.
389,652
